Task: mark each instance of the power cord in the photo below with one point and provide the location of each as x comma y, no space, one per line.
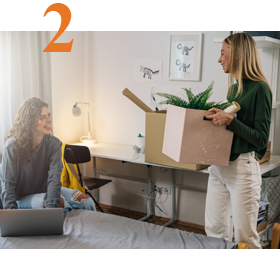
155,190
156,203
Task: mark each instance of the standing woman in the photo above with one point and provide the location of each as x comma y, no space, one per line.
237,186
31,165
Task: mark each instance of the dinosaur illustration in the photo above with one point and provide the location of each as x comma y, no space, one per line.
182,65
184,49
148,71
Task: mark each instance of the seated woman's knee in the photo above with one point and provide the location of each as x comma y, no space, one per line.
78,196
83,201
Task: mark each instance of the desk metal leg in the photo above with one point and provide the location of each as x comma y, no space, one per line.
151,206
96,191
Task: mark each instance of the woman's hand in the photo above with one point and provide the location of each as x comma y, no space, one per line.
61,205
220,117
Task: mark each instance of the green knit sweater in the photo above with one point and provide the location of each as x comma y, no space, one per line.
251,126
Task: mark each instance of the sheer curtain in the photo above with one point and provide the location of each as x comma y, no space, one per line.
25,71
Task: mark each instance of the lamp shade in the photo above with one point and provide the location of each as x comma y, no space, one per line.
76,111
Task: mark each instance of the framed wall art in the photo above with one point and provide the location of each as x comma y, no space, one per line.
185,57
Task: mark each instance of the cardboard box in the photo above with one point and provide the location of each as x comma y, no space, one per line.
155,124
266,156
190,138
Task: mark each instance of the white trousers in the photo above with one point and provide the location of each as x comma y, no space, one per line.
234,189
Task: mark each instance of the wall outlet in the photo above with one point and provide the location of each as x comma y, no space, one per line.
164,190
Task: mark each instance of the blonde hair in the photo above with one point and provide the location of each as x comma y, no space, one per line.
244,60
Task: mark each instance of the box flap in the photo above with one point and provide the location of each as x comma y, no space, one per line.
126,92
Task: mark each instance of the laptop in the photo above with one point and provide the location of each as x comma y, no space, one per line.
31,222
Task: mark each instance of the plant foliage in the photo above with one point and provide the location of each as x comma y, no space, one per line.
198,102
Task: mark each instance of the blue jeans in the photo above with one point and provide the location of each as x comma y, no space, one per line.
36,201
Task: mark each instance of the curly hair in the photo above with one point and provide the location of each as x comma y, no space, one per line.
22,129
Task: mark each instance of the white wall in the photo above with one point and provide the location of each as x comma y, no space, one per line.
68,80
99,67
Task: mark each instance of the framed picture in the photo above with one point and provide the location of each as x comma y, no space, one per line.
185,57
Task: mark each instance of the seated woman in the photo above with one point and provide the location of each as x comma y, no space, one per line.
31,164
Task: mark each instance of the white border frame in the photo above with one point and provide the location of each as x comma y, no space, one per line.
174,74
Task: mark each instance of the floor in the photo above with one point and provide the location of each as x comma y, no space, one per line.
158,220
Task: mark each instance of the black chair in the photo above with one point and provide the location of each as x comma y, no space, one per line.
80,154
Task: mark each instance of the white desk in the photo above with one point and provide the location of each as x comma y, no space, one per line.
125,153
268,166
112,151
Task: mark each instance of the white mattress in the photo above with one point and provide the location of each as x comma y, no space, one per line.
94,230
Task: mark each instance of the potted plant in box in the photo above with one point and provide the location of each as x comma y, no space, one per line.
189,137
199,101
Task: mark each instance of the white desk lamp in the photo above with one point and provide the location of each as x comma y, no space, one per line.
87,140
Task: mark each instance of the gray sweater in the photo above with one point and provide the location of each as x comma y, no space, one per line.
41,175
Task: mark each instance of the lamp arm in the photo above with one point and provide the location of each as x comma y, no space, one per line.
89,134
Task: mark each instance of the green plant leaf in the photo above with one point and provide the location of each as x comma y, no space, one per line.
191,97
208,105
194,101
202,97
173,100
